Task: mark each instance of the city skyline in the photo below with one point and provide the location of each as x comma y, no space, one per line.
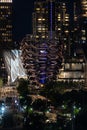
44,20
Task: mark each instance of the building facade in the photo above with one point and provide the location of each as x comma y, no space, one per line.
75,66
5,34
50,19
53,20
5,24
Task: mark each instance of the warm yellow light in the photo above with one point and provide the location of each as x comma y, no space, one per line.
43,36
59,28
37,36
5,1
66,31
83,38
37,8
39,19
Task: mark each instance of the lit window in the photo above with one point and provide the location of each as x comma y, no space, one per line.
59,28
37,8
39,19
5,1
39,29
66,31
83,38
43,36
37,36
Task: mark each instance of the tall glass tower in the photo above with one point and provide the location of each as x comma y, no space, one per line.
5,24
83,21
50,19
5,33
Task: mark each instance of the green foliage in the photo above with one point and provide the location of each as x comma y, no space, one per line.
23,87
55,91
51,91
23,90
76,111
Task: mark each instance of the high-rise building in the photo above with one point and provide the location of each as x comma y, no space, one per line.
50,19
83,21
5,34
40,20
5,24
80,12
75,68
84,8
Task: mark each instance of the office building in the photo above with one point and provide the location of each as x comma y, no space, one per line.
50,19
75,68
5,24
5,34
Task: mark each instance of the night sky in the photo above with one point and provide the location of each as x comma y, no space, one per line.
22,18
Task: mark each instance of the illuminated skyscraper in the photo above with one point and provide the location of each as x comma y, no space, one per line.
50,19
5,33
81,19
40,20
83,22
5,24
84,8
75,68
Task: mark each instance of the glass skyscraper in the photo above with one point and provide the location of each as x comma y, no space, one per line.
5,24
5,33
50,19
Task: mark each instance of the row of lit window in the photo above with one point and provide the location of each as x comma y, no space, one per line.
4,16
43,36
5,28
83,31
65,19
2,29
66,16
5,1
42,12
42,29
66,24
4,7
2,13
41,19
74,66
9,40
84,2
84,15
5,34
9,26
84,7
